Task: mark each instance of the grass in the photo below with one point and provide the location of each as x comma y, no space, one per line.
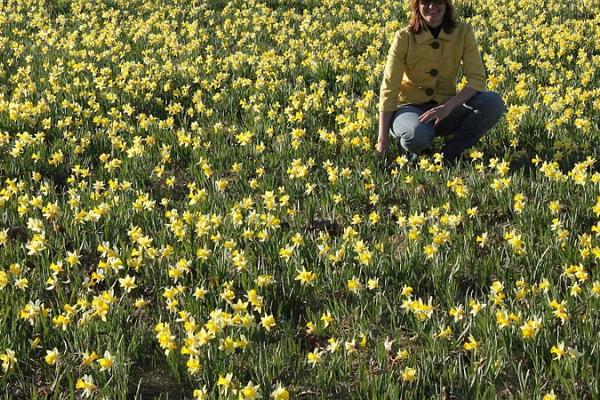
152,149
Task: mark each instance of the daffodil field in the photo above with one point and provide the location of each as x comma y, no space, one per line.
191,206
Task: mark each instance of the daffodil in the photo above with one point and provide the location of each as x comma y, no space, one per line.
200,394
249,392
127,283
305,277
9,360
267,322
225,383
327,319
280,393
87,385
106,362
409,374
471,344
550,396
51,356
354,285
531,328
314,357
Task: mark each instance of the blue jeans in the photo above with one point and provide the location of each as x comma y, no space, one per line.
465,124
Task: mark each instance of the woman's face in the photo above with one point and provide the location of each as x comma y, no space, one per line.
432,11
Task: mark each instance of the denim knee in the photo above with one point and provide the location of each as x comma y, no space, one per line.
490,104
417,139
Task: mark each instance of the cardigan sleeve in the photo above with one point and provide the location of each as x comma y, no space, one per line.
393,72
473,68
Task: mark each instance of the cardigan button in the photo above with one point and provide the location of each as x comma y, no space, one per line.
429,92
433,72
435,45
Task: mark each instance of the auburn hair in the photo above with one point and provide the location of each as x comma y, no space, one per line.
417,23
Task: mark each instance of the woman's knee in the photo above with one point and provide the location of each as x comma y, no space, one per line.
417,139
404,121
490,103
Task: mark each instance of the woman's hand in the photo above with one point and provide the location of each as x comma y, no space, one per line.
383,145
440,112
383,139
436,114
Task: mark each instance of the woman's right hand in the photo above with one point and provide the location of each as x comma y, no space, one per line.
383,139
383,145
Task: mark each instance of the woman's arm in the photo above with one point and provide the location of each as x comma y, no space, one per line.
383,139
393,72
390,87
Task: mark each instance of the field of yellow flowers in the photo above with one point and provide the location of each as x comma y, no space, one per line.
191,207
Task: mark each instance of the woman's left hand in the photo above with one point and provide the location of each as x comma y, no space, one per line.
436,114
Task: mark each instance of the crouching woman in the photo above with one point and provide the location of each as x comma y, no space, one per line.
418,98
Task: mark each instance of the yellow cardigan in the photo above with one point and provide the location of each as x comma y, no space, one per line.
420,68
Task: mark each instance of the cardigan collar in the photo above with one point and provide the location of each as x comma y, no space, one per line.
426,36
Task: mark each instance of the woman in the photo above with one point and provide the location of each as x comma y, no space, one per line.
418,98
